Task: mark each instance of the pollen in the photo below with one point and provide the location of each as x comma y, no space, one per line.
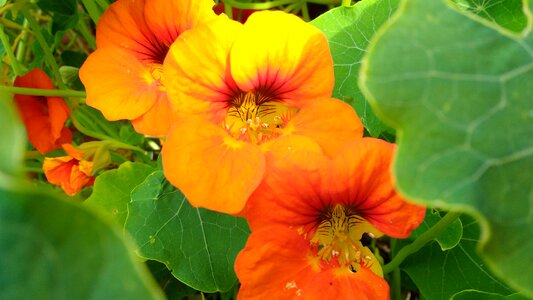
255,117
336,238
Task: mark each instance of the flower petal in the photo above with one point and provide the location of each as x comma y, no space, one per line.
361,174
211,169
123,25
277,264
292,189
43,117
330,122
118,85
280,53
168,19
196,72
157,120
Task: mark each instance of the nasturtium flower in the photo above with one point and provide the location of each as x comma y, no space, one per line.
72,172
307,220
123,77
249,87
44,116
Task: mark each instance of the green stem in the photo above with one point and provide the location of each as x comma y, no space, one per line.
422,240
46,49
305,12
228,9
7,46
396,286
346,2
33,170
87,34
41,92
21,48
92,9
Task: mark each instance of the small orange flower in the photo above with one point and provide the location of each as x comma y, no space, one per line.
307,220
43,117
71,172
123,76
251,88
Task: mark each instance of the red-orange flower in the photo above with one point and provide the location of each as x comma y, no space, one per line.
71,172
251,87
307,221
123,76
43,117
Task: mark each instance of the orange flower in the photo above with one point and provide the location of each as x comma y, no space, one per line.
43,117
307,221
123,76
252,87
71,172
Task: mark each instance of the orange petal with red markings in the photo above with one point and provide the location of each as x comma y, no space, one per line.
196,72
168,19
277,263
212,169
123,25
362,174
282,54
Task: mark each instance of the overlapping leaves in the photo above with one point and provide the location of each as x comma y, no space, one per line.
459,93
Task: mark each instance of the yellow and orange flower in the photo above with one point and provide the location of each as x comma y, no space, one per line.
123,77
43,117
71,172
252,88
307,220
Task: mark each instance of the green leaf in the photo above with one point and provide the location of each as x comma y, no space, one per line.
459,93
64,7
198,245
54,249
62,22
449,238
477,295
112,189
91,122
440,274
508,14
12,137
348,30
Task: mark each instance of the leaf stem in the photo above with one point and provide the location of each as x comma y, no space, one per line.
14,62
42,92
86,33
422,240
346,2
49,57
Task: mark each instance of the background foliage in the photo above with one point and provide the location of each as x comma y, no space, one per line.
450,81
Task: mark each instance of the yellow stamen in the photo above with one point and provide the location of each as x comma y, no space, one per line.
338,237
256,118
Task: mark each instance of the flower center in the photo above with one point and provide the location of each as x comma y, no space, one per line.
337,237
256,118
155,75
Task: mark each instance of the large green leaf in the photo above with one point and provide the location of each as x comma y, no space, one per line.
112,189
441,274
477,295
348,30
458,90
198,245
508,13
54,249
12,135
